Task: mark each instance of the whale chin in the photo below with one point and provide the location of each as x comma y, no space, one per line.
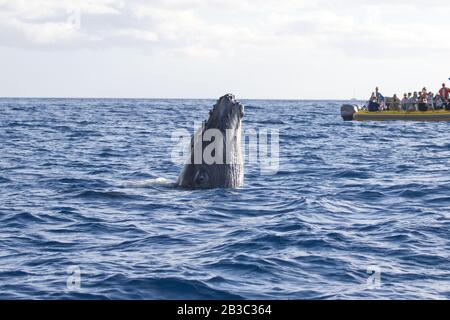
215,159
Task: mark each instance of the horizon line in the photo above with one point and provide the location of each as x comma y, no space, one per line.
159,98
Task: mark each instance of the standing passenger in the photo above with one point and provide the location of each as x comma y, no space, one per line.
379,96
444,93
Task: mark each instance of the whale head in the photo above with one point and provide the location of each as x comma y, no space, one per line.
227,113
215,159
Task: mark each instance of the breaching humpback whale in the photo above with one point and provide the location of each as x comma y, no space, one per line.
215,159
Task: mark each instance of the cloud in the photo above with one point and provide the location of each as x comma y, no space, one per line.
227,27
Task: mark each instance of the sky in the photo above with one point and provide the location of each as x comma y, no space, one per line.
266,49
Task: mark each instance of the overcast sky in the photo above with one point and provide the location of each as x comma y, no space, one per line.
284,49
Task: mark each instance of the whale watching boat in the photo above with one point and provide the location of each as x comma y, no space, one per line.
351,112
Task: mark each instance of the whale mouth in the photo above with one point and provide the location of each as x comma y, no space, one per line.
227,113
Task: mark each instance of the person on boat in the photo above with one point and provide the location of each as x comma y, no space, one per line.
444,92
373,105
410,99
395,106
404,102
380,97
422,102
430,99
413,102
438,102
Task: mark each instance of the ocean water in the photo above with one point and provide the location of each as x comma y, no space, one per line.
86,185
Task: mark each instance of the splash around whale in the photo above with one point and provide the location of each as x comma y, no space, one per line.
215,159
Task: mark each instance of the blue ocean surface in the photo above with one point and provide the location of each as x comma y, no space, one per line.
356,210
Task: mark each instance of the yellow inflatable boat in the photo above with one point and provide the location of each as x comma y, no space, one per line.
439,115
353,112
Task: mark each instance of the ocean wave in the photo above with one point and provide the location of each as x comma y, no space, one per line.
148,183
106,195
82,185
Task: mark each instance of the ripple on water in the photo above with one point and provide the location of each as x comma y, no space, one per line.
89,183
